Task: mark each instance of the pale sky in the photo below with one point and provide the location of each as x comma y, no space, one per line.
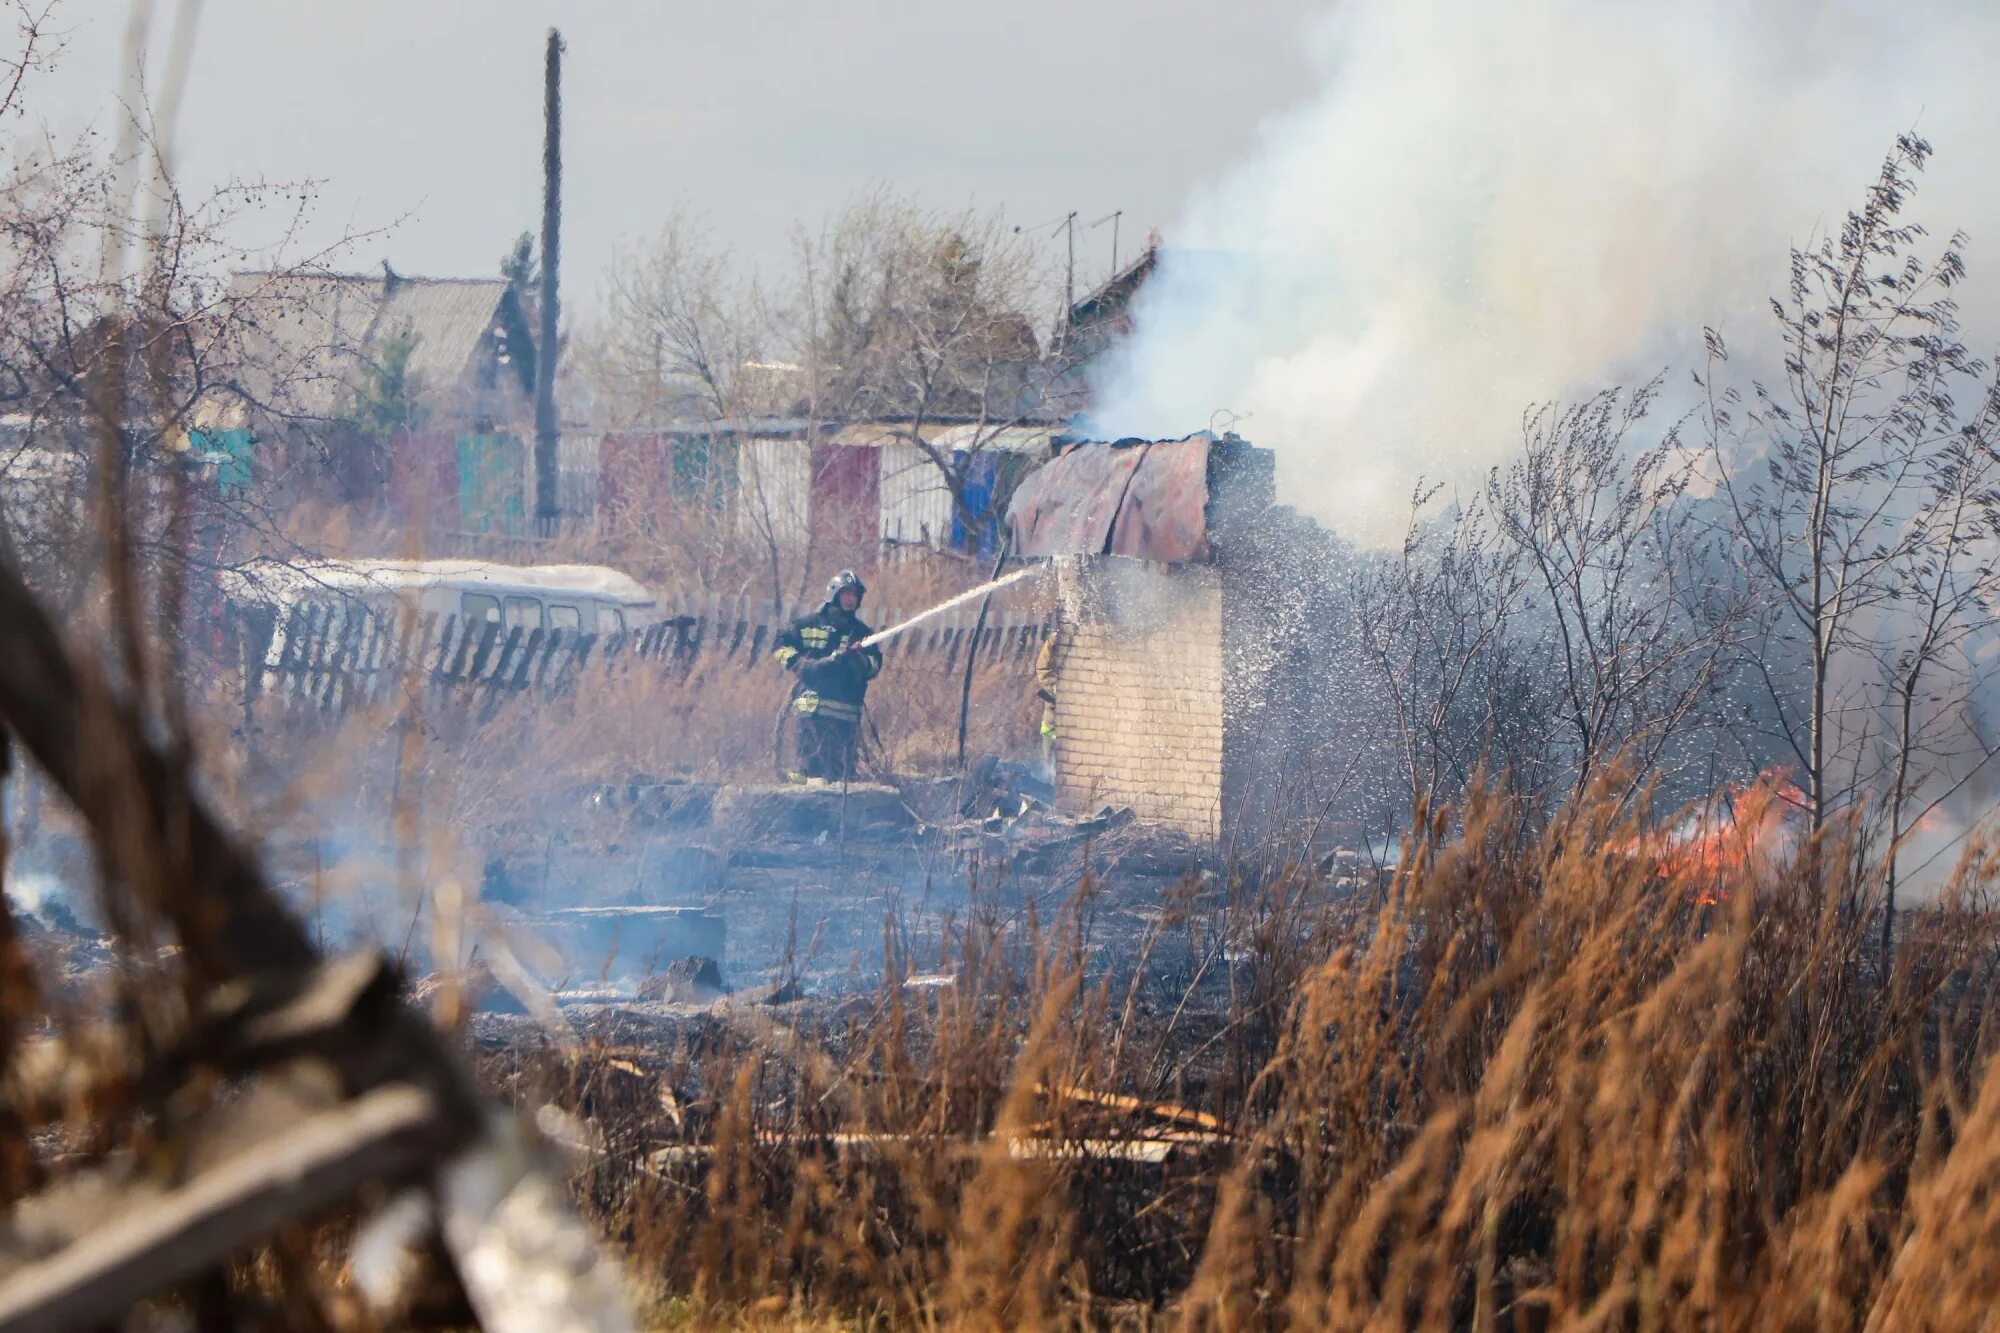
754,114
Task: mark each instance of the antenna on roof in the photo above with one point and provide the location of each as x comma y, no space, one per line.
1111,217
1067,225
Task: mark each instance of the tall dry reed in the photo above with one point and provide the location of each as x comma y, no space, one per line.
1538,1080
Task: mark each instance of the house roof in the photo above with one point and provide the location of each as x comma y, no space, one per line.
315,328
1111,299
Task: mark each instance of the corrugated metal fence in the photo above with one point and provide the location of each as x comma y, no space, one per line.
321,660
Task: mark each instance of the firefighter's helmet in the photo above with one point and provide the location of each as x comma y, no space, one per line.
841,582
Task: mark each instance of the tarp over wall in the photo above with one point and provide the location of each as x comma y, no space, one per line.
1147,499
1116,499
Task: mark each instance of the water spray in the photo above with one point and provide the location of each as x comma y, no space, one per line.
946,605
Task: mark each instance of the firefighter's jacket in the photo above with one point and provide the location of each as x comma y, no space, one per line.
831,684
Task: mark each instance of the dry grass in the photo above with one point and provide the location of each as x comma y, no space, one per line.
1528,1082
1531,1082
1531,1085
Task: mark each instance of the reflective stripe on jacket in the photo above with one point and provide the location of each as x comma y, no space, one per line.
839,688
813,703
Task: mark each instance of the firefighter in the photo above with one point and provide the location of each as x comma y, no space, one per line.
823,651
1045,691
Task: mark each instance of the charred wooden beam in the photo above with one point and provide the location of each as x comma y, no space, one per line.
126,1247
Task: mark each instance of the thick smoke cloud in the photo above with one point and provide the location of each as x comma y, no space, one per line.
1490,205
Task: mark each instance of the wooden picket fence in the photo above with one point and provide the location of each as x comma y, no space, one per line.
330,659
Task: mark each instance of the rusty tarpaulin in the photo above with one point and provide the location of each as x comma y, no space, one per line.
1146,500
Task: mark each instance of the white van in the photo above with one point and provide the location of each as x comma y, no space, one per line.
586,599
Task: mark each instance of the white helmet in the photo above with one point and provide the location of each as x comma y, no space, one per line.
841,582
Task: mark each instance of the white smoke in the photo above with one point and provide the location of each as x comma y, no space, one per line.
1494,204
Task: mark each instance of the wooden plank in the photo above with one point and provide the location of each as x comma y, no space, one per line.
375,626
325,657
313,653
340,687
390,671
396,636
438,661
291,622
394,1132
470,632
558,645
257,650
489,665
697,632
292,663
530,650
731,625
563,675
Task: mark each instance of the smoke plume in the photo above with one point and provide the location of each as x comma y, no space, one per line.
1490,205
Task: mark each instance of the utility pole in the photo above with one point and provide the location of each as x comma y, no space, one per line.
547,428
1068,223
1111,217
1069,273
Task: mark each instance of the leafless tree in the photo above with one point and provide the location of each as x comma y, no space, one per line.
1636,638
113,308
1832,477
1947,590
683,338
1434,621
685,342
891,315
919,319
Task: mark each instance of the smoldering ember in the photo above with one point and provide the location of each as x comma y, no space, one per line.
1372,706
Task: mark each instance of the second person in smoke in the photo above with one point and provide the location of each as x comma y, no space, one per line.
823,651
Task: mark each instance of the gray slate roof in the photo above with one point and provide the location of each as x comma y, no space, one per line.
312,330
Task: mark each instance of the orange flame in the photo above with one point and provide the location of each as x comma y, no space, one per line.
1738,828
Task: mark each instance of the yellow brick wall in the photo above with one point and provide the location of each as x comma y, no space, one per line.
1139,695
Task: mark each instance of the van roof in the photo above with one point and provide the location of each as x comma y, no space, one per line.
279,580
